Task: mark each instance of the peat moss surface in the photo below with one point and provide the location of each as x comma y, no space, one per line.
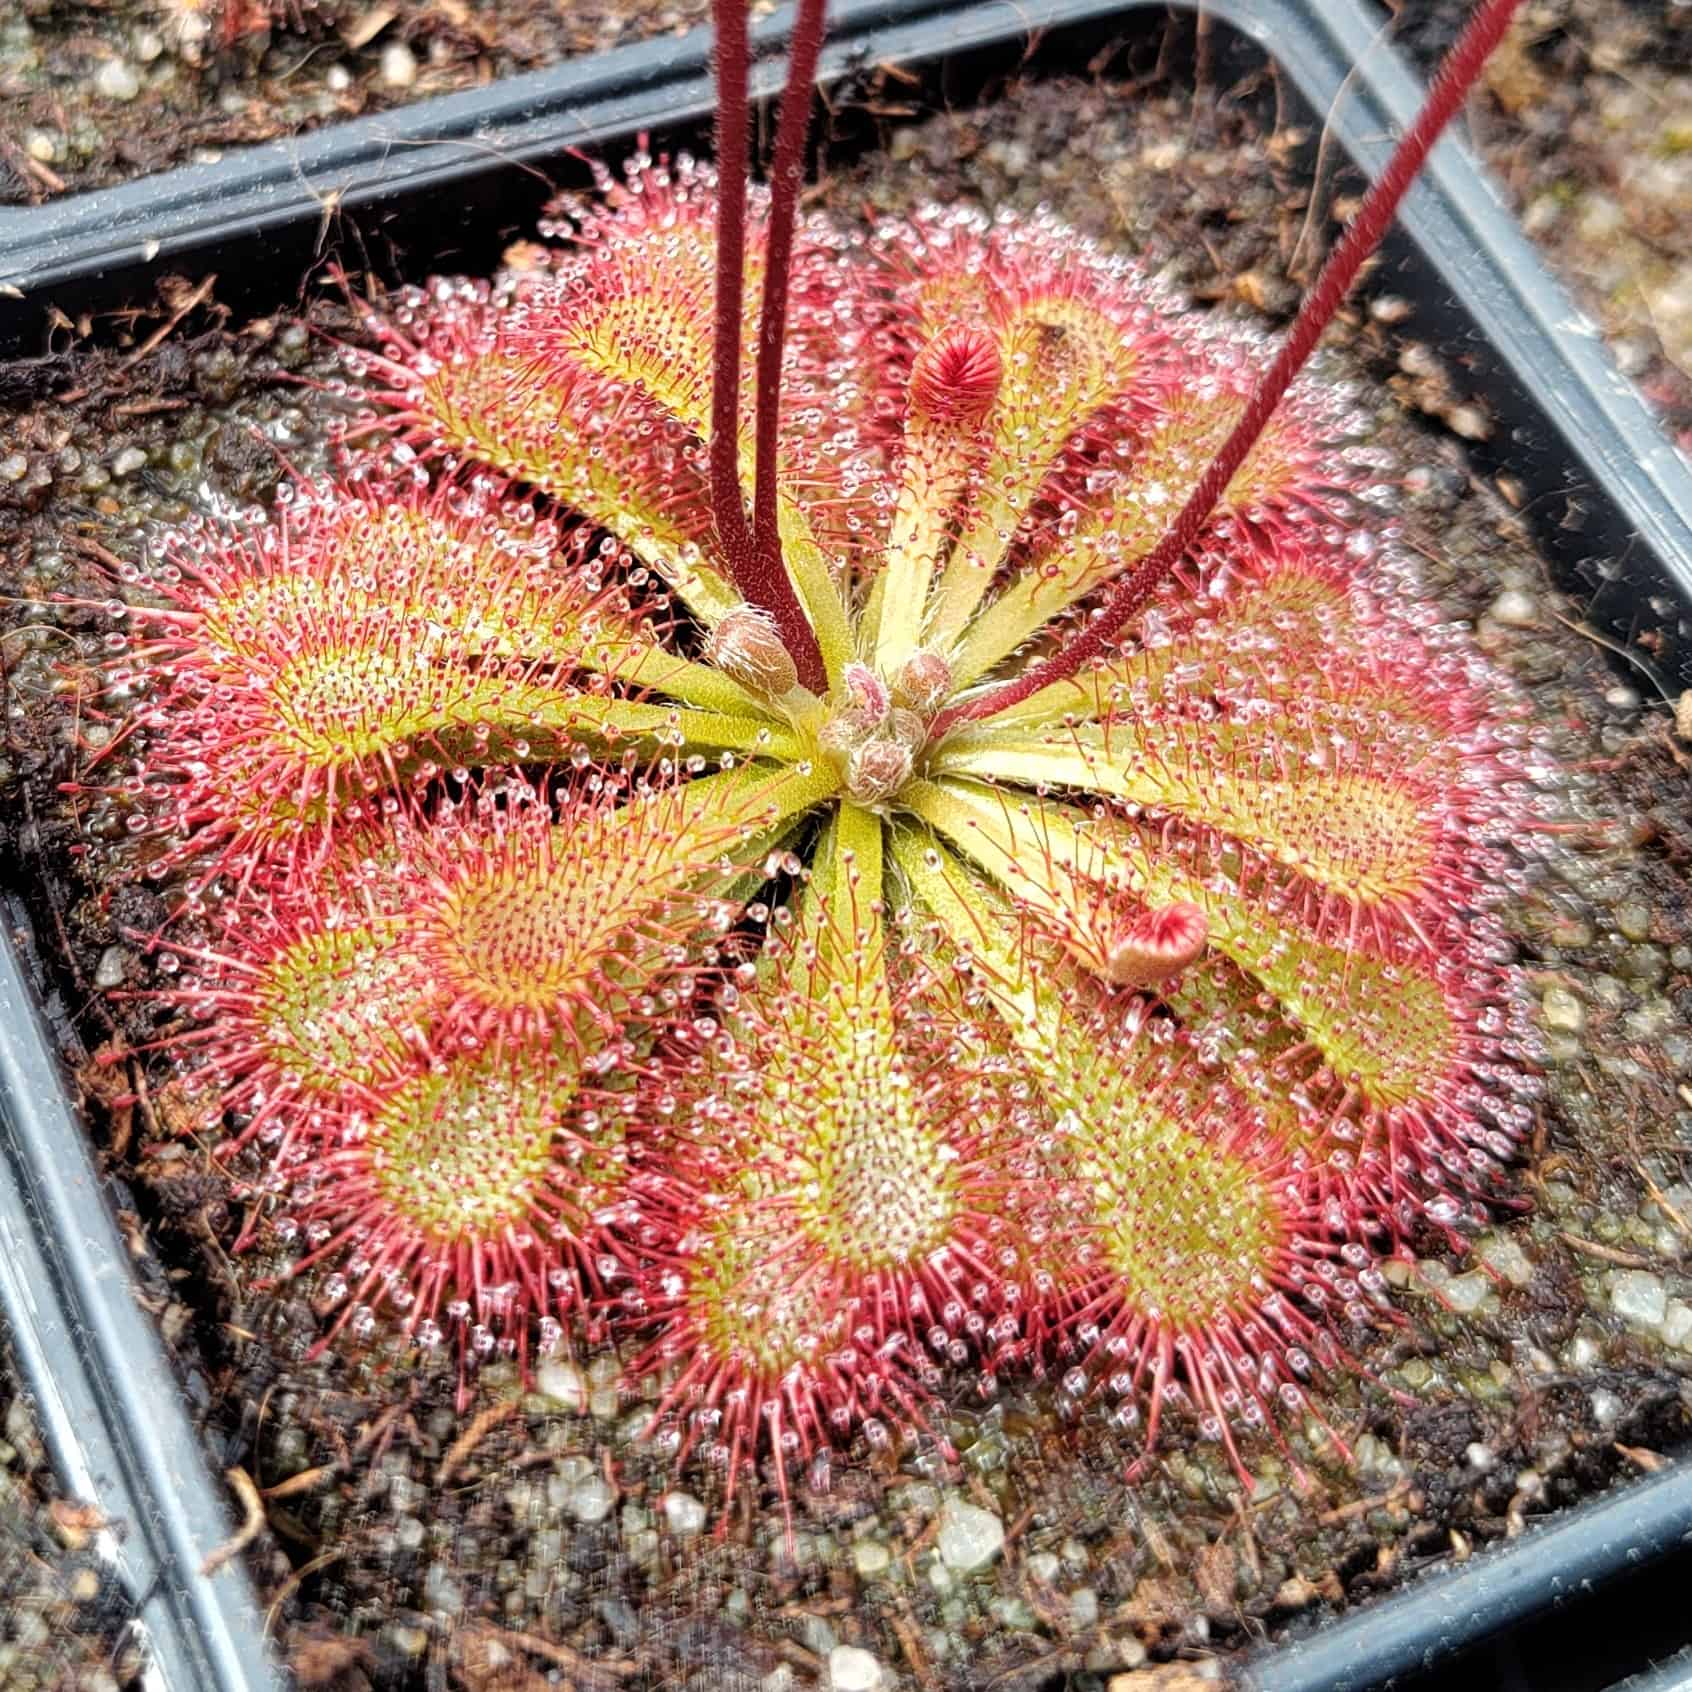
455,1497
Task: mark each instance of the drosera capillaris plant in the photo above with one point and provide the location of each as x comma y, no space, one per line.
1013,894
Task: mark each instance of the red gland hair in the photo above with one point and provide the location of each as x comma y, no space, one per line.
955,377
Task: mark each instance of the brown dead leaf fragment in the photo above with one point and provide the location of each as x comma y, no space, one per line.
1607,1253
1641,1458
1154,1604
364,29
319,1657
1216,1576
248,1531
481,1661
1296,1592
591,1674
307,1480
76,1523
179,299
1512,78
1165,1677
483,1424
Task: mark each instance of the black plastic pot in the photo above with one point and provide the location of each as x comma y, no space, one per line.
105,1397
1612,501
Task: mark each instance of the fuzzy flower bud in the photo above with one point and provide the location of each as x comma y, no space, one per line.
866,694
877,770
923,683
844,733
860,716
907,728
955,378
747,647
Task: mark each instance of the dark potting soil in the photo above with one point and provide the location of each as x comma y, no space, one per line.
1582,117
96,93
1586,122
65,1621
408,1544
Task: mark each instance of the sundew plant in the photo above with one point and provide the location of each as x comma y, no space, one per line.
867,810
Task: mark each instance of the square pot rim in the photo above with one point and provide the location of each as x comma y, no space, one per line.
207,1633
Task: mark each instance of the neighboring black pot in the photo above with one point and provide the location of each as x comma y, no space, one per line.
1612,501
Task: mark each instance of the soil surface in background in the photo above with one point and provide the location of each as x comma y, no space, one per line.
1587,123
532,1539
64,1620
92,94
1584,116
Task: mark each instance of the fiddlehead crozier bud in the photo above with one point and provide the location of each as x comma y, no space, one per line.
955,378
1158,946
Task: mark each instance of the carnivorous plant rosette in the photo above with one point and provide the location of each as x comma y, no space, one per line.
1016,893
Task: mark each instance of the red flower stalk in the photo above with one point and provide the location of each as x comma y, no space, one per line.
754,555
1457,74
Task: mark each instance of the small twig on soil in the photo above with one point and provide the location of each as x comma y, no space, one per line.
479,1428
1362,1506
307,1480
213,1248
1661,1199
1587,632
248,1531
792,1651
379,1427
1608,1254
43,173
294,1581
1248,1540
930,1532
197,298
1019,1526
820,1607
1298,268
258,1424
910,1642
90,547
978,1491
1031,1673
147,408
561,1656
1156,1542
